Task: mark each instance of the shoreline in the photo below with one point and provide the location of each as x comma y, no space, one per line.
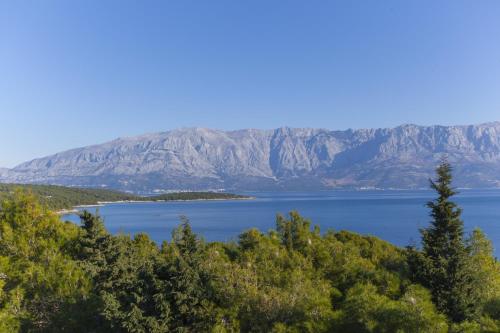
75,209
102,203
66,211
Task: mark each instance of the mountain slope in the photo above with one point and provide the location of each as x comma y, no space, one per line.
284,158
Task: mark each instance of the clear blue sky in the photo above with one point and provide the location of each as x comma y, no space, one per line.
74,73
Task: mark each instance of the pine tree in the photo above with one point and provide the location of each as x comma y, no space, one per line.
185,282
295,233
186,240
92,242
443,266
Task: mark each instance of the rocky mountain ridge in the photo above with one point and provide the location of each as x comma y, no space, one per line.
283,158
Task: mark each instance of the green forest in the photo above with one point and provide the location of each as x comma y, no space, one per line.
61,197
56,276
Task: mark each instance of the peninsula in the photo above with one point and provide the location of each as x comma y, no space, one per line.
61,198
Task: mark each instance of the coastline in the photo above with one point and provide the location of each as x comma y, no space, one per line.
66,212
102,203
75,209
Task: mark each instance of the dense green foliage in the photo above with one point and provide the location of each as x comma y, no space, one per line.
40,280
60,197
58,277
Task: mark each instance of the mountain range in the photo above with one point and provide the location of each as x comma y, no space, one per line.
278,159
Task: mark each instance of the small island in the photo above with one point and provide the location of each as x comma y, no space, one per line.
63,199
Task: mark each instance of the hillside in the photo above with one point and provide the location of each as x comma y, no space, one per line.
284,158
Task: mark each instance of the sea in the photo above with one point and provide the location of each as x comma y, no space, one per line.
393,215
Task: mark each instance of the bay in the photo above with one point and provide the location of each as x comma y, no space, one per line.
393,215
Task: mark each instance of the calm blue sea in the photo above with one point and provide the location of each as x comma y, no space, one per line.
394,216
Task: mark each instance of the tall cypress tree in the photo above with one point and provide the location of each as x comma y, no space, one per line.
443,265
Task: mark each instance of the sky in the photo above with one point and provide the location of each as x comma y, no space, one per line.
75,73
